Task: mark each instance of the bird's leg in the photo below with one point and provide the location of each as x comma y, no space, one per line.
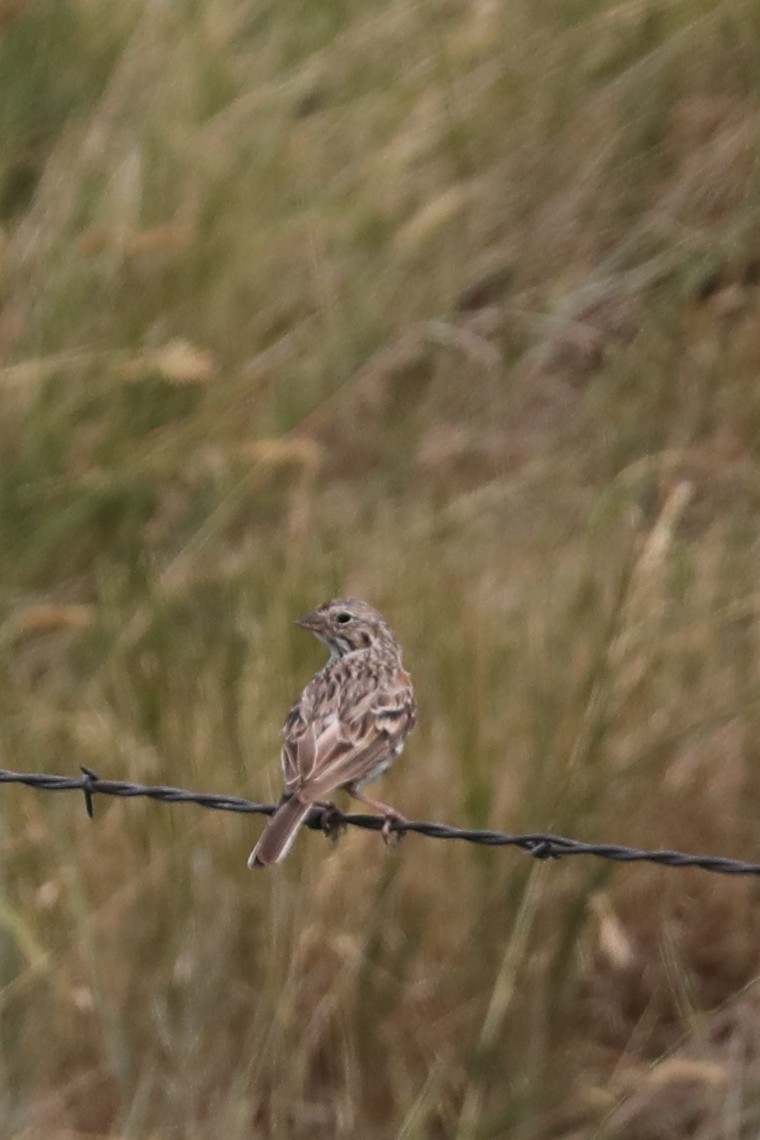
391,816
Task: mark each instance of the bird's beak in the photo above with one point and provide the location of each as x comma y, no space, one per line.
311,621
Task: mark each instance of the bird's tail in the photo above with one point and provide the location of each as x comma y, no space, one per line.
278,835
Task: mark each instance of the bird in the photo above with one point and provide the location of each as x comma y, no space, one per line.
348,725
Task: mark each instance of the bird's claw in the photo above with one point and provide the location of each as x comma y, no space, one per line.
332,822
391,837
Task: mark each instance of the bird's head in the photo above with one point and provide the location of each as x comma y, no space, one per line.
347,625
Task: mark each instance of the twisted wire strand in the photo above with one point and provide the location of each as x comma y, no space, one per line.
538,844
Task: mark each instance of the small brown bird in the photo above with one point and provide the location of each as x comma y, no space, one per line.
348,725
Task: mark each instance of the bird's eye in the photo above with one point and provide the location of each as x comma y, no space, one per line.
343,618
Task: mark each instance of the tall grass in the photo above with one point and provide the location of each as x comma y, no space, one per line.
453,307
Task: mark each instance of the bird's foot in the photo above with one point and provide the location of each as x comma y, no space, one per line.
332,821
392,837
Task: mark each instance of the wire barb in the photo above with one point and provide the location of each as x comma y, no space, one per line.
89,779
543,850
538,845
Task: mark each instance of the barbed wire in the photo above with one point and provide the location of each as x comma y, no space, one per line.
331,820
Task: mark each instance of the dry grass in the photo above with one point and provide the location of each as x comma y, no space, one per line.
455,307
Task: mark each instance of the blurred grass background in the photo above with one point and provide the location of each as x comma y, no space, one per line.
454,307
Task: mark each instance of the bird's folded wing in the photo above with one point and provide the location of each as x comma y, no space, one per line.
298,757
345,751
344,766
